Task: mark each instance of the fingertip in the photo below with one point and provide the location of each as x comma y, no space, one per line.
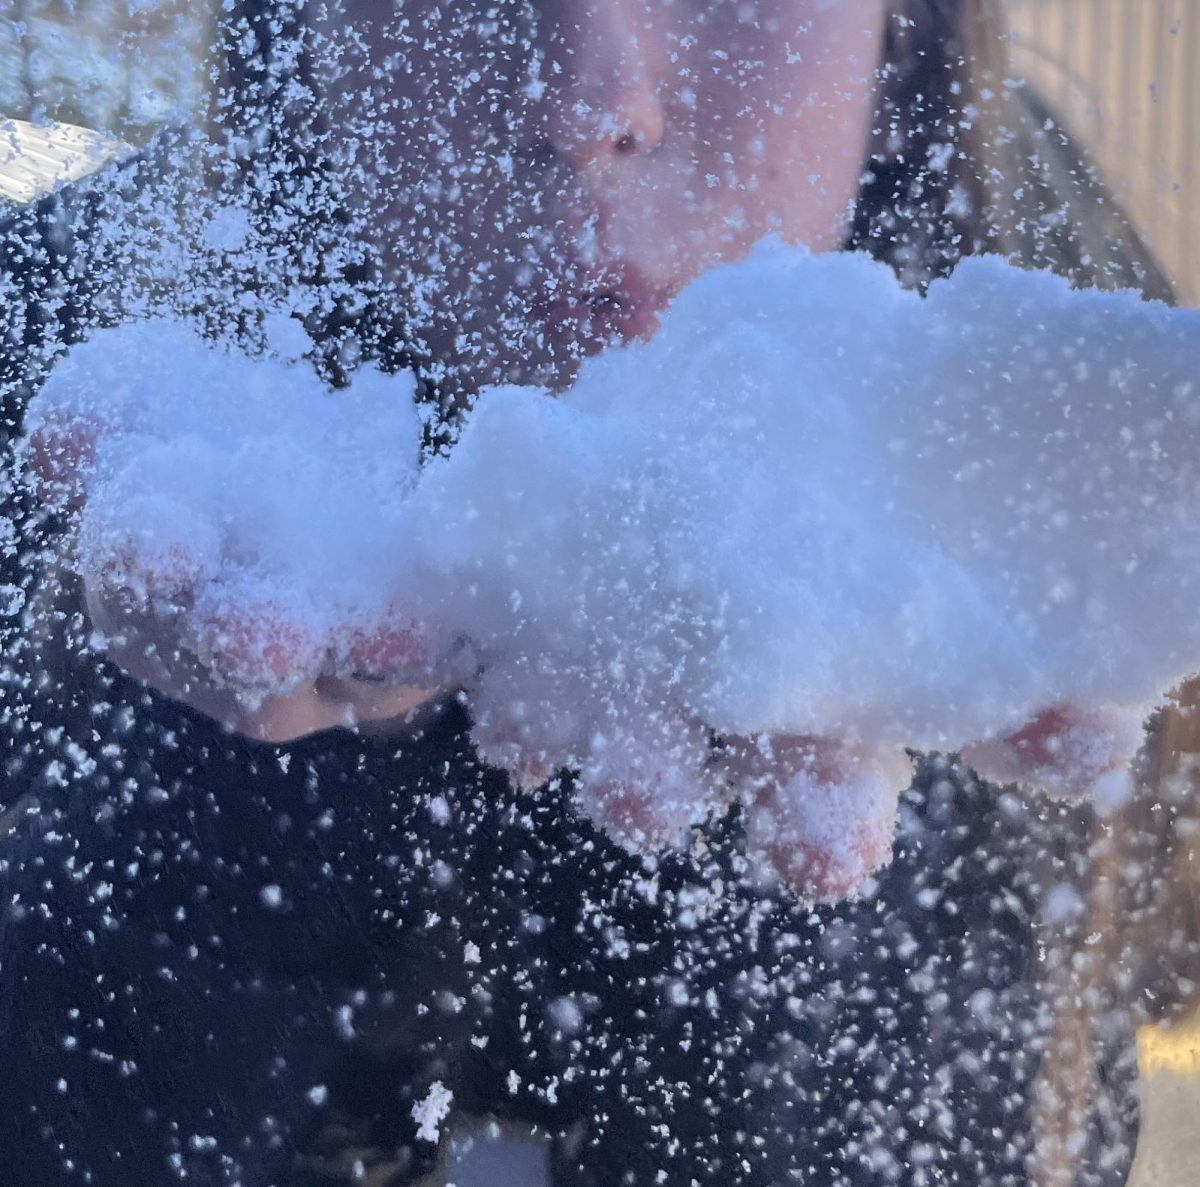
167,576
646,803
259,650
390,650
821,816
400,648
819,873
1070,752
60,454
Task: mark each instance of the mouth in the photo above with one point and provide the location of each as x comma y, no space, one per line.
628,301
619,306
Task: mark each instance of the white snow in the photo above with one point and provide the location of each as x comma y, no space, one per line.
271,897
431,1111
817,515
222,484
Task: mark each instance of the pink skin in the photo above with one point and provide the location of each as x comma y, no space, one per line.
648,788
820,813
61,453
248,669
1067,750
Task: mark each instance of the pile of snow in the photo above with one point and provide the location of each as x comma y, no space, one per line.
817,519
217,483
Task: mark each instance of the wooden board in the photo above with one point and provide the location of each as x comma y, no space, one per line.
37,160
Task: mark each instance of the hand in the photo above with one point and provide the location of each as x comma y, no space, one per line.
819,811
247,665
1071,752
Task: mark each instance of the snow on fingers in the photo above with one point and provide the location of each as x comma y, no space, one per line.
750,527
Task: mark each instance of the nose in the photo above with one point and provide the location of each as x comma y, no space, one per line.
606,102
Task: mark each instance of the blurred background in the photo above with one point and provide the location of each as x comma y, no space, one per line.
122,66
1123,76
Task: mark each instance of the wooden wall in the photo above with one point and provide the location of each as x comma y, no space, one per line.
1125,74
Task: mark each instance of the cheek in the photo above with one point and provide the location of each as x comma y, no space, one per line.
768,127
821,118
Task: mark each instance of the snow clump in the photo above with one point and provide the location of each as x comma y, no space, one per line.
816,520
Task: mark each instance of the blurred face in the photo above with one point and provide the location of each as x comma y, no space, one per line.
542,176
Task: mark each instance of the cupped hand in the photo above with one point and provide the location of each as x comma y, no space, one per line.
819,811
158,648
249,665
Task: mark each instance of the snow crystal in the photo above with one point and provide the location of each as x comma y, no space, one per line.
12,600
430,1112
271,897
228,229
815,520
565,1015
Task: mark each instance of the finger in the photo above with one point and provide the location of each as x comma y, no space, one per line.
147,548
647,806
146,570
649,787
60,453
820,814
148,646
401,648
396,649
1068,751
256,648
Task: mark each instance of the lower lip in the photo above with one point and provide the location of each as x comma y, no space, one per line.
620,314
629,315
